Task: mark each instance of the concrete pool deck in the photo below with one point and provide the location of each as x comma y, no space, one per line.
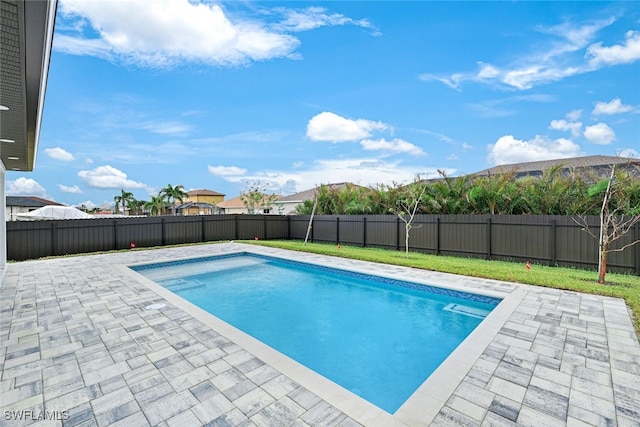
81,344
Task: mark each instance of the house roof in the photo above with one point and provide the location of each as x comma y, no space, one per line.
196,205
237,202
204,192
30,202
310,193
573,162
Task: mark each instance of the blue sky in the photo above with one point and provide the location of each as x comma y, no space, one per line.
216,95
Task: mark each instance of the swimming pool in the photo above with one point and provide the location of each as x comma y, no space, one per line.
377,337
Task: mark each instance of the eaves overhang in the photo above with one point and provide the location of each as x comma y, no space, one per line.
26,38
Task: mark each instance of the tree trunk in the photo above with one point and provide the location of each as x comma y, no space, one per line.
406,241
602,268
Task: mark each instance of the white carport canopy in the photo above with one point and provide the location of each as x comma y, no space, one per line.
54,212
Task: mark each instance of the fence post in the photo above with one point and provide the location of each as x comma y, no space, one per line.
264,226
312,228
397,233
288,227
54,238
204,237
364,231
438,236
235,223
163,237
636,236
552,244
115,234
489,238
337,230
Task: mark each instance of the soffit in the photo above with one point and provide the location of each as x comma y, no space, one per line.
26,34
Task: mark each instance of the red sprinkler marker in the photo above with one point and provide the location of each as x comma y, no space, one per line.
132,245
256,238
528,265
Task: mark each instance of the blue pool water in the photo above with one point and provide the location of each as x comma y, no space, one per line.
380,338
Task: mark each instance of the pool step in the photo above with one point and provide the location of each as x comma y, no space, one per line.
467,311
179,271
176,285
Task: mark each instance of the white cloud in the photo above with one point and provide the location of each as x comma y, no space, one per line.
616,54
108,177
454,81
394,146
508,149
328,126
58,153
162,33
570,53
74,190
629,152
574,115
614,106
166,128
452,156
25,187
574,127
315,17
466,146
361,171
600,134
226,171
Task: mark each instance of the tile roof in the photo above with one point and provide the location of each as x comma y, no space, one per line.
310,193
573,162
204,192
30,202
237,202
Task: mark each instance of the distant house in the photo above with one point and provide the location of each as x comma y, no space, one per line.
287,205
237,206
201,202
25,204
590,167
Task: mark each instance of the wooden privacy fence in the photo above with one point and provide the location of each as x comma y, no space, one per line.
552,240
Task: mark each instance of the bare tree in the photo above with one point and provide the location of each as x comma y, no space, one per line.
405,205
615,221
256,199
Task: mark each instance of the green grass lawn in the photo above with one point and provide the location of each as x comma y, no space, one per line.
619,285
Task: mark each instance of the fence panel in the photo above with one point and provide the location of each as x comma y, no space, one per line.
29,240
250,227
277,227
298,226
519,238
324,229
382,232
143,232
464,235
552,240
219,227
186,229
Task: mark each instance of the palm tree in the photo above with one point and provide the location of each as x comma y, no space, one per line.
155,205
172,194
134,206
122,200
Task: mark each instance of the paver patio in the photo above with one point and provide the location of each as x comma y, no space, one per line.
80,343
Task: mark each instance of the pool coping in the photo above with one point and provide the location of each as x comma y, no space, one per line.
423,405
